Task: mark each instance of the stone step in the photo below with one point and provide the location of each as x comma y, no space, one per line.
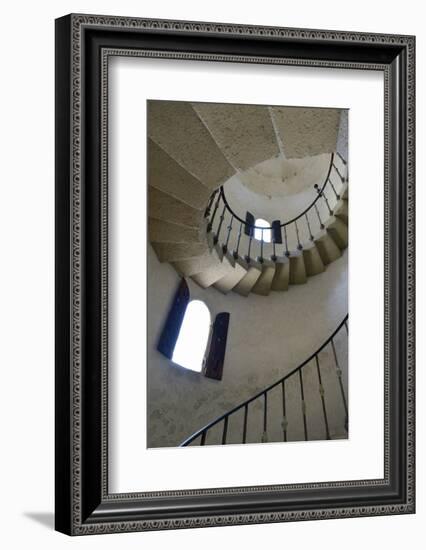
297,268
264,282
281,278
328,249
161,231
178,130
163,206
218,270
190,267
165,174
244,133
312,259
172,252
229,281
245,285
306,134
338,230
341,210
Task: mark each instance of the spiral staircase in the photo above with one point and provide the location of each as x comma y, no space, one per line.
195,153
193,150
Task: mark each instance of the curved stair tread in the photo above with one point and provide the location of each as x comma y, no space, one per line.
281,278
165,174
341,210
297,268
169,125
244,133
338,231
172,252
161,231
327,248
298,136
264,282
245,285
190,267
231,279
312,259
221,268
163,206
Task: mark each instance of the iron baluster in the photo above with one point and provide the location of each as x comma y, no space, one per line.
225,246
334,190
311,237
261,246
339,174
339,377
249,249
274,253
346,327
319,217
299,246
203,437
342,159
245,423
322,394
225,430
222,217
209,206
322,195
216,206
240,232
287,253
305,427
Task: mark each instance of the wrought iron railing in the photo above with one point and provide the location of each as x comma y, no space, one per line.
228,226
200,437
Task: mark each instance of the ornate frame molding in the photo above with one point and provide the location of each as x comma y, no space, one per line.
83,49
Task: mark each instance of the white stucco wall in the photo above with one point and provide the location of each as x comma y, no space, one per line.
268,337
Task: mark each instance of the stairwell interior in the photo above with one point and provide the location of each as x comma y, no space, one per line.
285,371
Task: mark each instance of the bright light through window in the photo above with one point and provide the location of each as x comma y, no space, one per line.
193,337
266,232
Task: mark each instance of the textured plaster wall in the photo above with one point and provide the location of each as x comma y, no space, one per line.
268,337
343,135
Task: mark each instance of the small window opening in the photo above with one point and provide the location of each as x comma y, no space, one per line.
265,233
193,337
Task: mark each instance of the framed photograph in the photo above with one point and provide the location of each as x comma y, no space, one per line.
234,274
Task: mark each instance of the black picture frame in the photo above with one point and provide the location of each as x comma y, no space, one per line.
83,45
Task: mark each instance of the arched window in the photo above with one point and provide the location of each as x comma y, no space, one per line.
266,232
193,337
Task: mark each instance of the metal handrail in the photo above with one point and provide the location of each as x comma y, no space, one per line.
319,194
203,431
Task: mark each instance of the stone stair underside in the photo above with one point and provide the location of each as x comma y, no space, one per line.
184,172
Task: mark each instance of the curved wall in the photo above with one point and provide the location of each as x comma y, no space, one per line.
268,336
